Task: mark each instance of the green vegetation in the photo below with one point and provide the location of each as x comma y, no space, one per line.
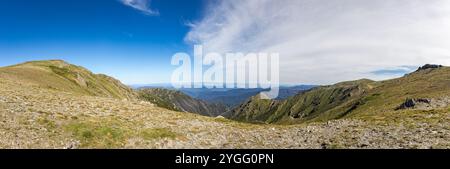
62,71
52,104
59,75
255,110
161,97
157,133
111,132
178,101
99,135
352,99
327,102
49,124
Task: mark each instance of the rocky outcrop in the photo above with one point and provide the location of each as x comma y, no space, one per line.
424,103
429,66
414,103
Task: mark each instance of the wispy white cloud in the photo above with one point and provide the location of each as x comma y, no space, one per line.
141,5
327,41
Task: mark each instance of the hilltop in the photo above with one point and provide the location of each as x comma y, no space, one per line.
62,76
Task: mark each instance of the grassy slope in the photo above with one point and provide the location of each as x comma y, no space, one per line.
162,98
61,76
255,110
331,102
178,101
389,94
355,99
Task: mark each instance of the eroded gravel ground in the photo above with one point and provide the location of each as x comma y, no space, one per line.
34,117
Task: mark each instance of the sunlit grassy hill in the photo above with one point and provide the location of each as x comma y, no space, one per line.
354,99
61,76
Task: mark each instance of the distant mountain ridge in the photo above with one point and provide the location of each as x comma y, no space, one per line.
178,101
230,97
354,98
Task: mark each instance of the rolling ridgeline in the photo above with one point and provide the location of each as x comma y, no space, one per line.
65,77
360,97
60,101
427,88
323,103
178,101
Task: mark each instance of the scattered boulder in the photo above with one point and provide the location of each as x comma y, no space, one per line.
412,103
424,103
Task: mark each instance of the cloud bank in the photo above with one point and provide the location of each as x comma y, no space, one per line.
141,5
327,41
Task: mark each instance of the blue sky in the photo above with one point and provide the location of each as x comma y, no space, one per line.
105,36
319,42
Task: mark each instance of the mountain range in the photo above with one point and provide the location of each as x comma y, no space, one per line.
178,101
354,98
54,104
230,97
